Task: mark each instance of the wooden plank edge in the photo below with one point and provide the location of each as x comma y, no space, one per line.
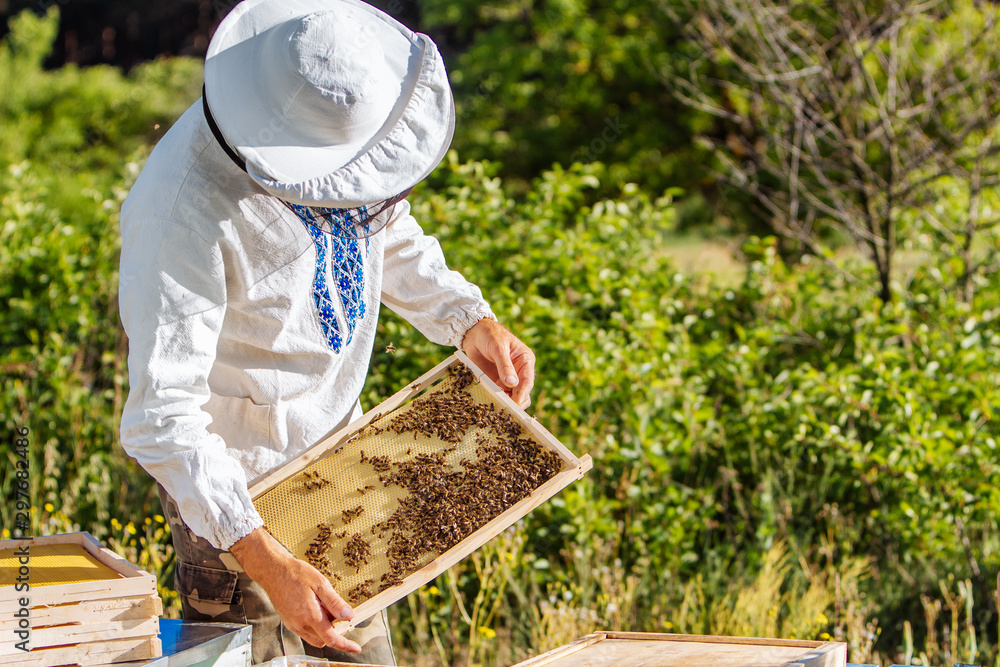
89,654
498,524
83,591
52,596
63,635
113,560
114,609
266,482
836,651
528,422
563,651
716,639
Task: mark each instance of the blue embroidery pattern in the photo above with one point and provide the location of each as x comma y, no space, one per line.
348,272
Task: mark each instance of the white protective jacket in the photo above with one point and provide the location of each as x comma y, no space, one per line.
249,339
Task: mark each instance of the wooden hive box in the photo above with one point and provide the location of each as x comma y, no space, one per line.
611,649
86,604
339,497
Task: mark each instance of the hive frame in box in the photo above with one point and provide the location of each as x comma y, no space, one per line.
133,582
122,612
573,469
756,651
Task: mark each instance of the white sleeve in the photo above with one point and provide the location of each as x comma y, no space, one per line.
172,298
418,286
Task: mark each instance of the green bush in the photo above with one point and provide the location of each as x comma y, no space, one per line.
725,418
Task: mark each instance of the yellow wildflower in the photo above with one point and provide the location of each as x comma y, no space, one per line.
489,633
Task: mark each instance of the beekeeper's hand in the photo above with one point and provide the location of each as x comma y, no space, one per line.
302,596
503,357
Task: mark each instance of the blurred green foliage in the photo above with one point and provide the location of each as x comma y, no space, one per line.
71,140
539,82
783,441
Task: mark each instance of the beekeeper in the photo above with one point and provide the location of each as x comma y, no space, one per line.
257,244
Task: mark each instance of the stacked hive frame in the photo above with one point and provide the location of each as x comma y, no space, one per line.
610,649
357,500
87,605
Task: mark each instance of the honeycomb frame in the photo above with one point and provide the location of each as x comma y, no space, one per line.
331,493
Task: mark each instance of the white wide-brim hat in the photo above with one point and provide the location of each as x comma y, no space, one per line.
330,103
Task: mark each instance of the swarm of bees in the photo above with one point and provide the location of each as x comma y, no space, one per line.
357,552
314,480
361,592
348,516
316,554
445,502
